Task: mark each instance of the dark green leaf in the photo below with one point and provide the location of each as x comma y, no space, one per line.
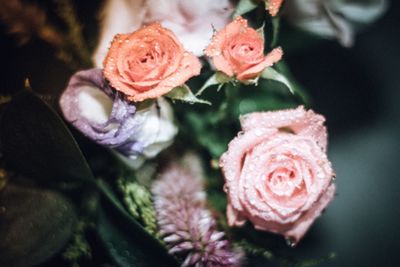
125,239
218,78
267,95
214,138
36,142
34,224
183,93
271,74
275,30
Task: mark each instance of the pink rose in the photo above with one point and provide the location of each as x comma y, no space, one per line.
277,173
191,21
238,50
148,63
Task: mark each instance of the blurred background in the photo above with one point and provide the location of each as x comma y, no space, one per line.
357,89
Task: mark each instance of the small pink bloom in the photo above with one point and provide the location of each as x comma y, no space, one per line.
277,173
273,6
148,63
238,50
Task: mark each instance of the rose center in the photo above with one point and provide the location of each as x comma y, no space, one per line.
284,181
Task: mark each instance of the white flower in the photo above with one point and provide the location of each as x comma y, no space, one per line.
155,132
333,19
191,21
135,132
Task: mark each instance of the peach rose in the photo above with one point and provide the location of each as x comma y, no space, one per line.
148,63
277,173
238,50
191,21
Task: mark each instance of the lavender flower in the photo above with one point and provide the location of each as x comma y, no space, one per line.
104,116
186,225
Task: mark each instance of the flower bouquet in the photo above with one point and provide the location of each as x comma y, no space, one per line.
187,141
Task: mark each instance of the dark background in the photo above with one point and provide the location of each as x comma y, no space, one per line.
357,89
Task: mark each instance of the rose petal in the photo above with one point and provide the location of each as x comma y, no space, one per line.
216,46
297,231
231,160
298,120
190,66
274,56
148,63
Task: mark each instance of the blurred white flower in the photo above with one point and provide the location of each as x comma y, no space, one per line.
191,21
333,19
155,131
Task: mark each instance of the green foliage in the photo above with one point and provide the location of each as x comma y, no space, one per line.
138,200
213,127
124,238
36,142
252,249
78,248
272,74
218,78
183,93
35,224
276,23
308,262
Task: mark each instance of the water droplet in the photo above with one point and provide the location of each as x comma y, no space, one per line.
290,241
225,188
258,132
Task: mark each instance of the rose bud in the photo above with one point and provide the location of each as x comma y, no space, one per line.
148,63
238,51
277,174
104,116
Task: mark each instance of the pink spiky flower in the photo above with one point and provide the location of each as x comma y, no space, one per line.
186,226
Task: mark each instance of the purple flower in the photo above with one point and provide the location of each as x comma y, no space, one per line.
100,113
186,226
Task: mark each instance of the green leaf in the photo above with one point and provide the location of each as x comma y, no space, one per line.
298,88
36,142
183,93
266,96
244,6
212,137
125,239
276,22
35,224
138,201
218,78
271,74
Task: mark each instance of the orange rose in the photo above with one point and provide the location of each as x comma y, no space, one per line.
238,50
148,63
